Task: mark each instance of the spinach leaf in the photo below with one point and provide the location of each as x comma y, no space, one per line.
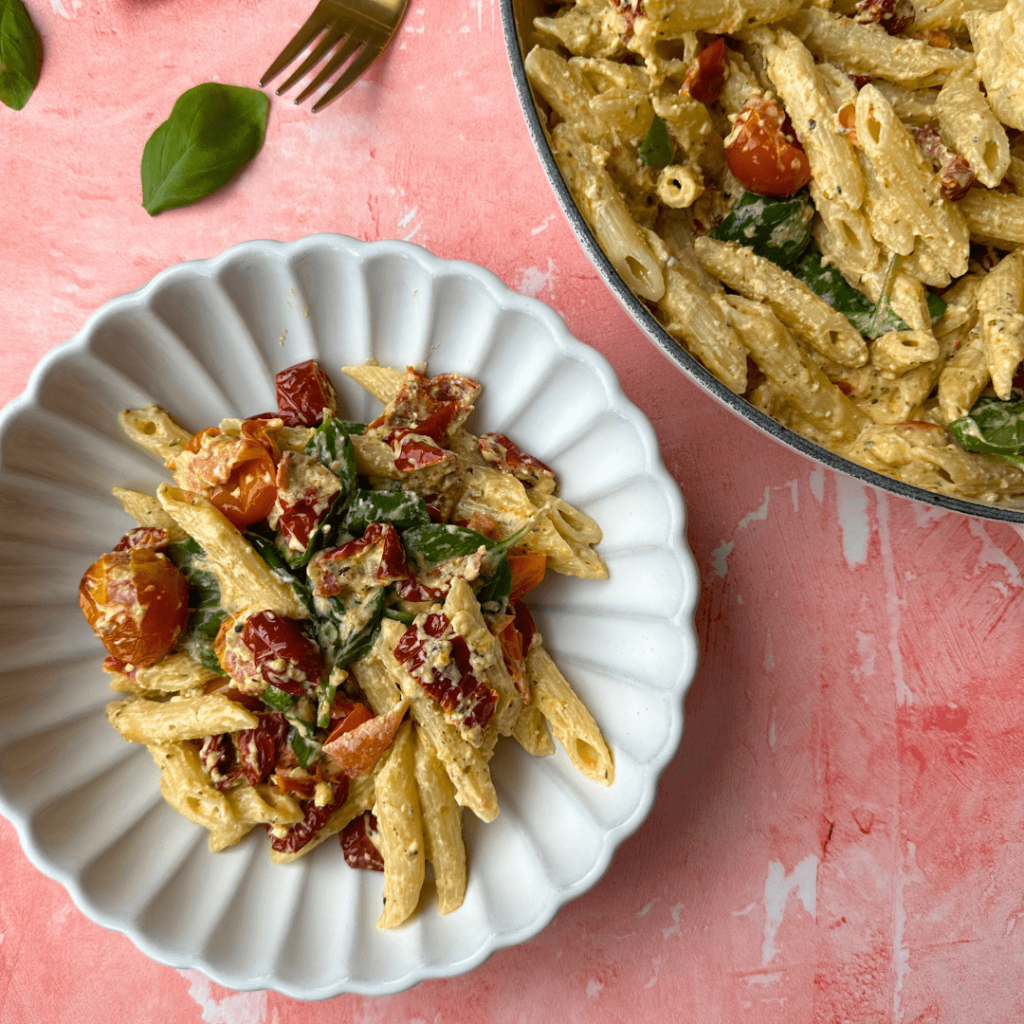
278,564
203,599
777,229
657,149
331,447
306,751
21,54
936,305
994,427
346,627
278,699
404,510
493,595
435,543
829,284
213,131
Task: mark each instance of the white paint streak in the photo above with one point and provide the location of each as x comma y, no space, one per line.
761,513
673,928
594,988
720,557
852,513
60,915
234,1008
535,280
653,979
777,887
763,979
406,217
59,8
769,652
867,651
794,493
646,909
544,225
772,734
908,874
816,480
992,554
412,234
746,911
893,606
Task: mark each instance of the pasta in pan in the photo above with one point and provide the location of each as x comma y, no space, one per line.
319,628
823,202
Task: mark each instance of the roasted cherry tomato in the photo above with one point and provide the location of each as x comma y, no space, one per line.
137,603
527,571
237,474
303,393
266,649
359,848
763,152
706,75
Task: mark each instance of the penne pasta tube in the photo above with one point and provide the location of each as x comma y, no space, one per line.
155,430
245,579
572,724
442,826
399,818
182,718
1001,316
817,323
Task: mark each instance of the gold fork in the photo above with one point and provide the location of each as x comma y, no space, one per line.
360,29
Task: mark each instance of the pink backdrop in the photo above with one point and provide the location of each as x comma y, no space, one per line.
839,837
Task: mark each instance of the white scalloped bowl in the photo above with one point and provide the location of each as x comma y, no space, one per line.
204,339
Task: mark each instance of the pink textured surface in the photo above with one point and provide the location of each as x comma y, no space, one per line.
840,835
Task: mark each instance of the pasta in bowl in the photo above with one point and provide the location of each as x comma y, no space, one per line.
206,340
813,210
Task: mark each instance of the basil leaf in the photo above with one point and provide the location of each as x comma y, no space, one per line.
325,694
402,509
213,131
435,543
657,149
398,615
777,229
203,600
994,427
278,699
21,54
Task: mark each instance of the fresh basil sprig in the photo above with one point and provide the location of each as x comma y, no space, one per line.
21,54
994,427
213,131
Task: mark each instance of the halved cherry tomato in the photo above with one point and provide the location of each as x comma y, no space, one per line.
706,75
266,649
237,474
137,603
303,393
763,152
527,571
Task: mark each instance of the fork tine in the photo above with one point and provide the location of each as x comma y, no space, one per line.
310,30
371,51
324,43
342,54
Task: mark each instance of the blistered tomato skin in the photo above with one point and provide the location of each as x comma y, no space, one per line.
763,152
237,474
136,602
303,393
